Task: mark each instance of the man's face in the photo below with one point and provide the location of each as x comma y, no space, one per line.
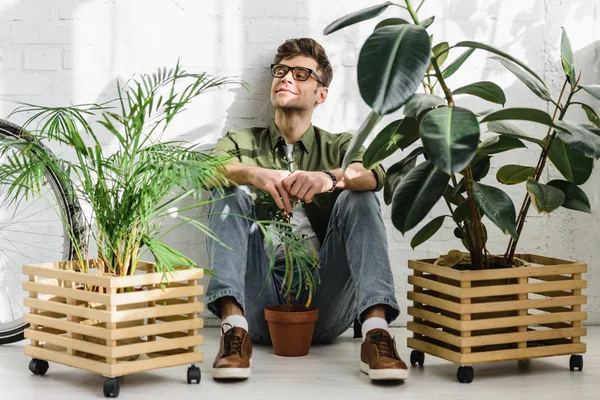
288,93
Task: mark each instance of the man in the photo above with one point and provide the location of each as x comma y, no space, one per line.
341,216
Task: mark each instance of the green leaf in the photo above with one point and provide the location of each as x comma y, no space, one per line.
537,86
409,133
508,129
426,23
513,174
591,114
594,90
416,195
456,64
356,17
383,146
575,198
440,51
544,198
579,138
397,172
566,56
359,138
450,136
502,144
574,166
522,114
480,166
391,64
486,90
427,231
462,212
391,21
497,206
420,102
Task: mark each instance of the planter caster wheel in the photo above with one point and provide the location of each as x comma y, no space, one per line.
111,387
193,374
465,374
576,361
38,367
417,357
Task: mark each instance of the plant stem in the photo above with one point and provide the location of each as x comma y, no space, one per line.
420,5
512,244
412,12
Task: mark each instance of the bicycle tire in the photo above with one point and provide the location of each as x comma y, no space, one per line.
13,331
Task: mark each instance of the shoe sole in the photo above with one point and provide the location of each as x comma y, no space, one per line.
231,373
389,374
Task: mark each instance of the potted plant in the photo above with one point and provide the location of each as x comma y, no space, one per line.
475,307
291,325
99,303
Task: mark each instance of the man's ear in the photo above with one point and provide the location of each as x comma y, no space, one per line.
322,95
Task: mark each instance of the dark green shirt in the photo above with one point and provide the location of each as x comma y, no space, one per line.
316,150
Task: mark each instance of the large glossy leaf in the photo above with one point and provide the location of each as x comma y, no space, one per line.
502,144
416,195
523,114
397,172
486,90
574,166
566,56
544,198
538,87
409,131
397,135
391,64
579,138
421,102
359,138
456,64
355,17
461,212
591,114
427,231
450,136
513,174
594,90
575,198
452,196
440,52
391,21
497,206
508,129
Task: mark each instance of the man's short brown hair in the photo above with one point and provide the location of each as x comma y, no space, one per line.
309,48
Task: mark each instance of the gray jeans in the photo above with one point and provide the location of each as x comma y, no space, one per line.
354,264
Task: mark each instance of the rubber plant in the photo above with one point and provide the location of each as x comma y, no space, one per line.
395,61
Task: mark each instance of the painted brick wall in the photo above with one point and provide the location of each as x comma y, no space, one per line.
73,51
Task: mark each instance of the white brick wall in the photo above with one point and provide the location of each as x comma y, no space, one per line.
72,51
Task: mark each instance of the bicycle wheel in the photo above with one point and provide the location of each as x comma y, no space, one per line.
31,231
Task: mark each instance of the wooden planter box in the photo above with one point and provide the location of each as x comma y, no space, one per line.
92,322
472,317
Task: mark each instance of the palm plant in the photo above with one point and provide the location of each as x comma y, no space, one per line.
397,59
132,189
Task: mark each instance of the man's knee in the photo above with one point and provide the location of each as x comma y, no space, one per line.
357,203
234,198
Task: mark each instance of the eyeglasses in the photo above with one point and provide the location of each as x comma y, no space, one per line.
298,73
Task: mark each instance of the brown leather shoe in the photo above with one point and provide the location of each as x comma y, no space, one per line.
379,358
235,355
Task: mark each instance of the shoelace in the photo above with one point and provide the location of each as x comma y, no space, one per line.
384,344
232,343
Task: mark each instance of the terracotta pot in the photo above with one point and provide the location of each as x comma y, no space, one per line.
291,328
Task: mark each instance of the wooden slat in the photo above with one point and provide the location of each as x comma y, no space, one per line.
157,311
51,314
434,333
436,318
523,288
427,266
64,292
173,318
154,278
433,285
63,325
47,271
486,340
522,320
552,278
68,343
533,271
433,349
72,361
170,302
525,304
436,302
523,354
156,346
155,295
542,260
156,363
67,309
156,329
173,335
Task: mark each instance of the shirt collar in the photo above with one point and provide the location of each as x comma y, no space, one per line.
307,139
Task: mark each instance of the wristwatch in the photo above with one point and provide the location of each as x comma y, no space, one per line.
333,178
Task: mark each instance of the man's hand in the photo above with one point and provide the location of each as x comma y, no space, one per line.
271,181
304,185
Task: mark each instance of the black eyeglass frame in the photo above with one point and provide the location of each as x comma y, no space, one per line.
288,69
